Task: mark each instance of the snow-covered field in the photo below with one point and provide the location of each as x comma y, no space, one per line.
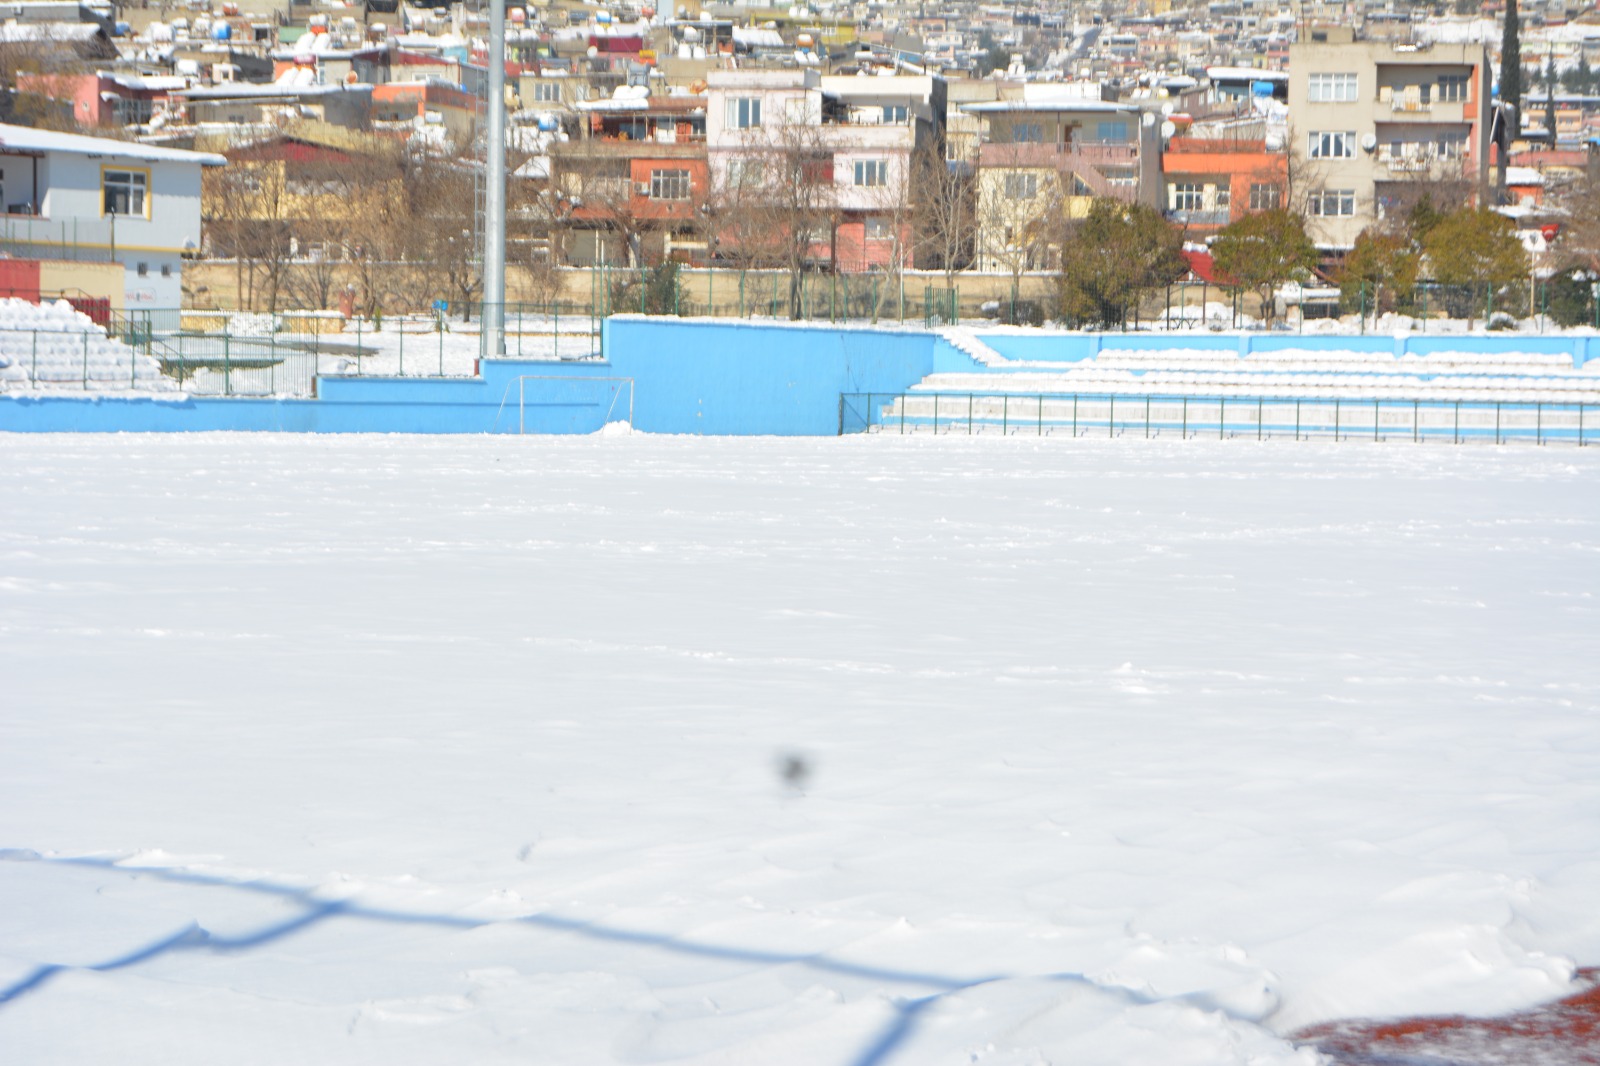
632,749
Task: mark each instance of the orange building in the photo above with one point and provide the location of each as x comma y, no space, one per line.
1210,183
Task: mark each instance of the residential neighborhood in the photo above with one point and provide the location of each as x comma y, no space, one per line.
302,156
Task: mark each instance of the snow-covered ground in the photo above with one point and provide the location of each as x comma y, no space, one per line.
417,348
634,749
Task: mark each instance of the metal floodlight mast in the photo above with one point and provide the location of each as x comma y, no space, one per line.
494,200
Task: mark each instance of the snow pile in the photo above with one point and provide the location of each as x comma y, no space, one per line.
53,346
1509,376
421,750
252,324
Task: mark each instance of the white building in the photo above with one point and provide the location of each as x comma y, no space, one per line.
860,136
67,196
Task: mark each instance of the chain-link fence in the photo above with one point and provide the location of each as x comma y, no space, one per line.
220,353
1219,417
234,353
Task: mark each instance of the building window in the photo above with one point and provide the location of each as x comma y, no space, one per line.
1331,89
1452,88
1022,186
1264,197
1333,203
128,112
1224,198
744,112
547,92
124,192
817,169
166,270
1026,132
1333,145
872,172
1111,132
669,185
895,114
744,173
878,229
143,270
1188,196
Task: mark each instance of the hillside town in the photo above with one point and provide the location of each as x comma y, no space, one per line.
332,156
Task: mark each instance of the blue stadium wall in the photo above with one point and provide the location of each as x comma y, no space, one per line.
690,376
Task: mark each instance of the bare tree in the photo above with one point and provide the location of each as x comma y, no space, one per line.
440,241
246,219
1020,213
786,203
598,186
946,198
1580,237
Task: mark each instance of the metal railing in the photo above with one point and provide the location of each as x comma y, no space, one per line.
1220,417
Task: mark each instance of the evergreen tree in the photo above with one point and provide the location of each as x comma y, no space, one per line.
1118,253
1511,73
1472,250
1262,251
1380,269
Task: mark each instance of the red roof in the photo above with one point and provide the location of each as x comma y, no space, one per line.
1202,267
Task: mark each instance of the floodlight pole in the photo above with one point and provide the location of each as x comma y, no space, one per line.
494,200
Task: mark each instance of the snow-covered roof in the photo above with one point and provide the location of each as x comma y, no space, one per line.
146,82
240,90
1523,176
1245,74
27,139
1001,106
48,31
757,37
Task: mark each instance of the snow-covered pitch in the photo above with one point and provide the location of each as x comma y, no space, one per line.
632,749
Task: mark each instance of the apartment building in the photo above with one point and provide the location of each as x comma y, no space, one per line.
632,180
860,137
1372,122
1050,154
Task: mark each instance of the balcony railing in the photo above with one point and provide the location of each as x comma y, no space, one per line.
614,148
1217,217
1033,153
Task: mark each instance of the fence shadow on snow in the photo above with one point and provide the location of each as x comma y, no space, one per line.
194,938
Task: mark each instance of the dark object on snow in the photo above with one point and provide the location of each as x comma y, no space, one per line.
794,769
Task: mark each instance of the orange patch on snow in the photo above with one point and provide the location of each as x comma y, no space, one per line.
1564,1033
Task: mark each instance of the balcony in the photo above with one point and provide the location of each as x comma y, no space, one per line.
1217,217
70,236
1442,168
1057,156
691,147
1401,110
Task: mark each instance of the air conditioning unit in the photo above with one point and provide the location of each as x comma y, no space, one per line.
641,188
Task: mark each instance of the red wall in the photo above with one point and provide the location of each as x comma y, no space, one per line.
20,278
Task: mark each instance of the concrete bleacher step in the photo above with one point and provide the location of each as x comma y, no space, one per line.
1189,417
1391,383
53,346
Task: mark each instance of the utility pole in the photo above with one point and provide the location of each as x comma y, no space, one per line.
493,344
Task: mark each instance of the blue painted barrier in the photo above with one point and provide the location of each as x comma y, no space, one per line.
694,376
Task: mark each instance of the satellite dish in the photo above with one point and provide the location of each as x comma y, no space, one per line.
1149,119
1168,129
1369,142
1166,109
